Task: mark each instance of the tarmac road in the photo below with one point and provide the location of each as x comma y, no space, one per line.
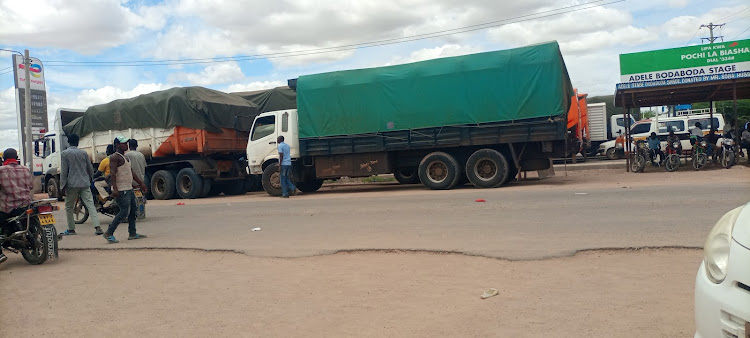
526,220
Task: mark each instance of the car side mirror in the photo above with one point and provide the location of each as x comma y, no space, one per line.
36,148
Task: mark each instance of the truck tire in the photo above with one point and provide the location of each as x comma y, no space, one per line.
53,189
189,184
272,180
309,186
406,175
439,171
487,168
163,185
234,188
207,184
147,181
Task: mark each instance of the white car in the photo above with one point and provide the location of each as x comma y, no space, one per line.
722,286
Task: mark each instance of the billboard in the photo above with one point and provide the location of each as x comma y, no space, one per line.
701,63
39,122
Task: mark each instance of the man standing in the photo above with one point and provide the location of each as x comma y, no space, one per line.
122,191
285,157
138,163
15,187
76,174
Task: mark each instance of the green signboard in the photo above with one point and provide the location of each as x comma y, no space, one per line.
702,60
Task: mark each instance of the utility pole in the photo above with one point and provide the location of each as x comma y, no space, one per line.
711,27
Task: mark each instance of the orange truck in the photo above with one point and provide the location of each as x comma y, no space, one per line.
194,140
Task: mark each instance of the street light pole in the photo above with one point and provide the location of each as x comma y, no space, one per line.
27,154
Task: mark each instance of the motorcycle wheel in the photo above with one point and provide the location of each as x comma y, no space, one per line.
727,159
80,212
638,163
699,161
672,163
38,250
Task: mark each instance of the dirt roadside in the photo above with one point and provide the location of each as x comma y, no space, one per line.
158,293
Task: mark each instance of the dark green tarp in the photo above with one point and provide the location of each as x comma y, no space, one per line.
507,85
279,98
191,107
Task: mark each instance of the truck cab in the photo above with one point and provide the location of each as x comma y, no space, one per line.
262,149
49,148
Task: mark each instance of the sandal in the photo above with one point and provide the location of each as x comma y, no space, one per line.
137,236
110,239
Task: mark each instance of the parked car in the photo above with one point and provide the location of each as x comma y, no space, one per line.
722,286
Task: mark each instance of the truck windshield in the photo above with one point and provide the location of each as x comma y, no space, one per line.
263,127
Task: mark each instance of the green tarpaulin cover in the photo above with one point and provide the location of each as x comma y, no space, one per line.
191,107
507,85
279,98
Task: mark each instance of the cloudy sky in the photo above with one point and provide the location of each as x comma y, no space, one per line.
272,41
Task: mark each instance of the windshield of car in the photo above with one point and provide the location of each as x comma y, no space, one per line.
641,128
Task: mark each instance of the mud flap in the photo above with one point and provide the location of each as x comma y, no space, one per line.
51,233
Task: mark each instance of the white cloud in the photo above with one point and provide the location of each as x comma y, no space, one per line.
252,86
678,3
434,53
86,26
218,73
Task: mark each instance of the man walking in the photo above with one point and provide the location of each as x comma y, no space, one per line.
138,163
76,175
285,157
15,187
122,191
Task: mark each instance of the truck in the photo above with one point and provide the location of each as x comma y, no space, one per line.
479,118
194,140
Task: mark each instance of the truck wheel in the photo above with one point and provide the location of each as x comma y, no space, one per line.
163,185
147,181
53,189
189,183
233,188
487,168
439,171
406,175
309,186
272,180
207,184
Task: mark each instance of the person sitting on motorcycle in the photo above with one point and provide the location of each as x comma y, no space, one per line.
696,133
102,182
671,139
15,188
712,139
745,141
654,145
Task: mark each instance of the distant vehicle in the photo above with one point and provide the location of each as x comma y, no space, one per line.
196,146
681,125
722,285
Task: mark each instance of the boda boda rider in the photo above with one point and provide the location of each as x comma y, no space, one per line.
102,177
15,188
654,144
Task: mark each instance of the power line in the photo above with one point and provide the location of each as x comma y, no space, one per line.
694,34
733,14
377,43
742,18
743,32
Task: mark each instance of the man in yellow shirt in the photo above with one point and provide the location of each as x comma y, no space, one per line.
102,184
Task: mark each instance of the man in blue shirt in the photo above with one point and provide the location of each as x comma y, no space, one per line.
655,145
285,157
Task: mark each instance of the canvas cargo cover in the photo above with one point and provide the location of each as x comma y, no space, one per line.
507,85
279,98
190,107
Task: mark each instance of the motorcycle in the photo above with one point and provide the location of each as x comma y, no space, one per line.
81,213
699,154
727,153
640,157
673,158
31,231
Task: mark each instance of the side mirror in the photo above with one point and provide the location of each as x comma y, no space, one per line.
53,146
36,148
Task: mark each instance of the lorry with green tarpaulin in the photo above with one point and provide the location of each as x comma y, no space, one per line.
478,118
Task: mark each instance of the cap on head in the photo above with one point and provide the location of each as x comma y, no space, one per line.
121,139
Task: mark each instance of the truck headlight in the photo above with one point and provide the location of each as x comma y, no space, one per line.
716,249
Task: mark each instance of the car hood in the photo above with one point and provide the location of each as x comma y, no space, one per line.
741,231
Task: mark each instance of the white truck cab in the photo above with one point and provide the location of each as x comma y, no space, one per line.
49,148
262,148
